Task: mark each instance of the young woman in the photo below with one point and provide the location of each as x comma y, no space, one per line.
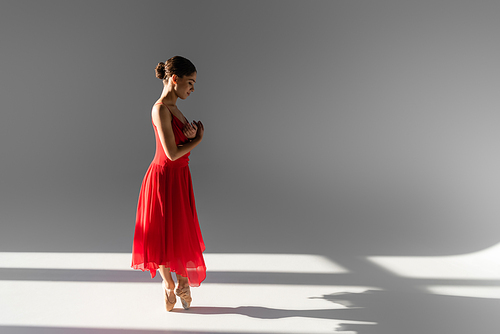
167,233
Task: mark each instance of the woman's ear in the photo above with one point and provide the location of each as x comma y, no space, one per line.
174,78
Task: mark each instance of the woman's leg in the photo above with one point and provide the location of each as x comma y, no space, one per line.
169,284
167,277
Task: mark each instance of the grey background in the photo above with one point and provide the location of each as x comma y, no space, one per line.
334,127
341,128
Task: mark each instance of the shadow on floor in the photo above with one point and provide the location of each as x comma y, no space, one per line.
406,312
135,276
268,313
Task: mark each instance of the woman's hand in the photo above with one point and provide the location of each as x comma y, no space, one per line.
190,129
200,129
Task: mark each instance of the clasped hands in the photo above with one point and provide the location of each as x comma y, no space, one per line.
190,130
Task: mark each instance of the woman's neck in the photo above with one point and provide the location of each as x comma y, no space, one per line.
168,95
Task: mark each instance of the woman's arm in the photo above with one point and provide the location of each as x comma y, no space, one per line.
162,119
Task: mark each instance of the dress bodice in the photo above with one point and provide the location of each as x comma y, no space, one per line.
180,138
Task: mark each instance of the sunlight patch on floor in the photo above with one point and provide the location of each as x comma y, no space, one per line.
467,291
479,265
216,307
277,263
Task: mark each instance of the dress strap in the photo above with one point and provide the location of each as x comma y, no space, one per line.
164,105
171,112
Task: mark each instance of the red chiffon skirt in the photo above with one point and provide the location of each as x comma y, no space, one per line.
167,230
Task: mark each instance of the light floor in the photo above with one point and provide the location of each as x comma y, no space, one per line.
253,293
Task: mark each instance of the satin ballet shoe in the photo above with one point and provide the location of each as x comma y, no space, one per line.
185,296
168,304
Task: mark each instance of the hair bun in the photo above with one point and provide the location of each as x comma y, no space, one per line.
160,71
176,65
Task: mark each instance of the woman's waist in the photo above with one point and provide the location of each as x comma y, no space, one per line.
163,160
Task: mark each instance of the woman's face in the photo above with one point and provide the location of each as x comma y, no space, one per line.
185,86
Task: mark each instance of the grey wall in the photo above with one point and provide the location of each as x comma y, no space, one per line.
336,127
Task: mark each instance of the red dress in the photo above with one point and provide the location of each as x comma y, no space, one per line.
167,231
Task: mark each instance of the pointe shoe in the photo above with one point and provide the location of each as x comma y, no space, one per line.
185,296
168,304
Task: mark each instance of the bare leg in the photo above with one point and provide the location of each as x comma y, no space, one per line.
167,277
168,286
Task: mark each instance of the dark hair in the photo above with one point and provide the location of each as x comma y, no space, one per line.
177,65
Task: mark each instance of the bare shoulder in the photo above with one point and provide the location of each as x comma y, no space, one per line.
160,114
